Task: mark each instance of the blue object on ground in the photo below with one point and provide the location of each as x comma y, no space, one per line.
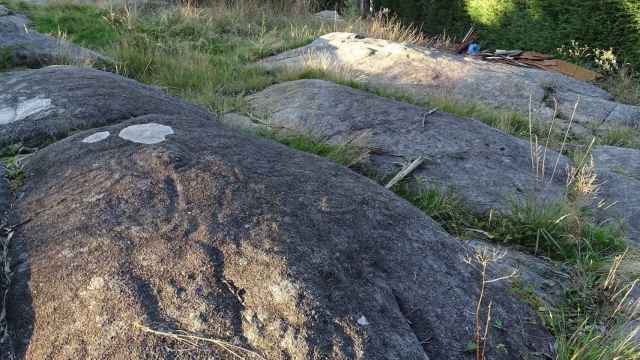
473,49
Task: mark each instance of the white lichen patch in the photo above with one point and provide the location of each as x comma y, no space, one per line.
362,321
150,133
99,136
24,109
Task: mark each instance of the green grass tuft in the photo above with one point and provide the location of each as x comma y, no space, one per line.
344,154
557,231
14,173
442,206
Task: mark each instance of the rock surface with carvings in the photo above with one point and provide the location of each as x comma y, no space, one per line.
24,46
37,106
487,168
429,72
176,223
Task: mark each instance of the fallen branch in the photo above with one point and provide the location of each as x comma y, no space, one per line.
263,123
424,117
405,172
193,340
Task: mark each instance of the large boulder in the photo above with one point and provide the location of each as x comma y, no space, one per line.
487,168
39,105
618,174
429,72
21,45
177,223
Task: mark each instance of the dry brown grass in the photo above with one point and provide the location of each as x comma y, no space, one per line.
582,179
482,258
389,27
327,64
253,8
623,276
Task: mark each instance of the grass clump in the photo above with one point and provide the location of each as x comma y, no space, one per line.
444,207
596,321
14,173
350,153
590,323
588,341
202,54
621,137
557,231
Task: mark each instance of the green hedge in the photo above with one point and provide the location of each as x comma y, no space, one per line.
542,25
